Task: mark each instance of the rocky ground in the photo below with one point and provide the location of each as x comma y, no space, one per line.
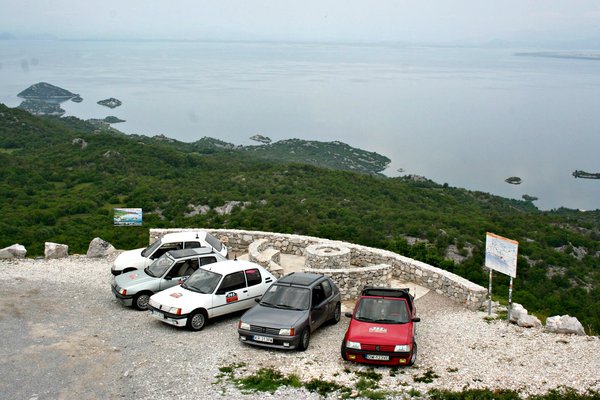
66,337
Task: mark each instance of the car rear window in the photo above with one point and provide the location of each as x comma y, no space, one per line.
214,242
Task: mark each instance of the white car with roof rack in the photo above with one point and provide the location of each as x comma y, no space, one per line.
141,258
213,290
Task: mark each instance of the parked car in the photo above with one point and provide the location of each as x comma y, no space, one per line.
141,258
382,328
290,311
211,291
134,288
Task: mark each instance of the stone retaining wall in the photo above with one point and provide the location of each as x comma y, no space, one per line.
443,282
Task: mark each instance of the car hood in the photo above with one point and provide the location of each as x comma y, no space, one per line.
274,317
382,334
129,259
179,297
133,278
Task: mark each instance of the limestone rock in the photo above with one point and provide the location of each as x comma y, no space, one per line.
565,324
100,248
55,250
520,316
14,251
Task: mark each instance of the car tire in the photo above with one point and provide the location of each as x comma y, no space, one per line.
336,314
304,339
343,350
413,357
140,301
197,320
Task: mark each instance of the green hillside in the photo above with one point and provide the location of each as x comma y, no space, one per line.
56,188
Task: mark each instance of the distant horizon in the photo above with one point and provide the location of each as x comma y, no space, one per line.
493,43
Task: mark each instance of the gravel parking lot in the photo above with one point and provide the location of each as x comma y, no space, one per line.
66,337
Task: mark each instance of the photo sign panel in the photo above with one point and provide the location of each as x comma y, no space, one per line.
501,254
127,217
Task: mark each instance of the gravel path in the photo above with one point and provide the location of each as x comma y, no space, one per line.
64,336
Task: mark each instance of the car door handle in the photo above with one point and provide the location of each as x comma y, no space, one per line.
245,291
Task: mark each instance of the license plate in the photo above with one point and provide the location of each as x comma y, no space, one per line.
157,314
263,339
377,357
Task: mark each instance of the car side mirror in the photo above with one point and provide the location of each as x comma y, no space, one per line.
416,319
348,314
257,300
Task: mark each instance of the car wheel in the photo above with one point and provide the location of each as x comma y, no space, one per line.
196,320
140,301
304,339
337,314
344,357
413,357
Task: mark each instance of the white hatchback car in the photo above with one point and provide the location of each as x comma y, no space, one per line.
213,290
141,258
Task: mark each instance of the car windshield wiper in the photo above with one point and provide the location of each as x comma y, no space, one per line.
388,321
289,307
267,304
147,271
365,319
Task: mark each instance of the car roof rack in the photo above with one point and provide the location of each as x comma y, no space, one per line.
300,278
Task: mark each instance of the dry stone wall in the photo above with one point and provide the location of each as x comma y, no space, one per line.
367,266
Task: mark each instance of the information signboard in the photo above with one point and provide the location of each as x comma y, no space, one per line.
128,217
501,254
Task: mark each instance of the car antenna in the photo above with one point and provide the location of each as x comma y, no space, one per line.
197,235
234,257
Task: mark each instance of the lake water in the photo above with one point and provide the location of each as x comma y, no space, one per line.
462,116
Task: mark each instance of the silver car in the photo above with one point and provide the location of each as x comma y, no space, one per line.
134,288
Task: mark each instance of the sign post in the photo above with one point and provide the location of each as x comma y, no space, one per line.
501,256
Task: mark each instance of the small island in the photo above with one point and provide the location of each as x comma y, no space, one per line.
43,91
513,180
110,103
261,139
113,120
586,175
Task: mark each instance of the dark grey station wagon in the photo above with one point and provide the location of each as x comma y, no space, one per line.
290,311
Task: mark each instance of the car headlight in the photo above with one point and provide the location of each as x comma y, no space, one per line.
244,325
123,291
402,348
286,332
352,345
173,310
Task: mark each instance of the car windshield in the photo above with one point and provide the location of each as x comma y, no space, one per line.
288,297
202,281
390,311
159,266
150,249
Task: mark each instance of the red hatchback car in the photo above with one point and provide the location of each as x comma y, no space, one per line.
382,328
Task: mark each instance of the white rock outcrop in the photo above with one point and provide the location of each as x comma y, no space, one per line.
100,248
14,251
564,324
55,250
520,316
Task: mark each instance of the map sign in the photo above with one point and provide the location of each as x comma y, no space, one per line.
128,217
501,254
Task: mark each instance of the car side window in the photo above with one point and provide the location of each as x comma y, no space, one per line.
233,282
166,247
179,269
253,276
317,295
192,245
327,288
208,260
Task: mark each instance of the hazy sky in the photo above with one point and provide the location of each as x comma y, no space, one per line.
368,20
